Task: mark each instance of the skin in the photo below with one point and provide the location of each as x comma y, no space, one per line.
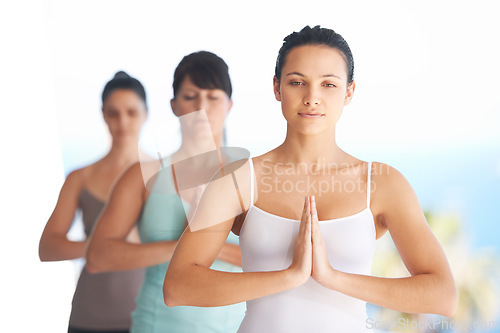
109,249
313,91
124,113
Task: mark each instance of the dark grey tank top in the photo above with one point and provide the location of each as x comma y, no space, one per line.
102,301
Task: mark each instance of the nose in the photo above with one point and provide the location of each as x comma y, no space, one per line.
124,120
312,97
202,103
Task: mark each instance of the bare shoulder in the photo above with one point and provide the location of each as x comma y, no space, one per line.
233,179
226,196
261,160
388,181
75,180
393,198
69,194
134,175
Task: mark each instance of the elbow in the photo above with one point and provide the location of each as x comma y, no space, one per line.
450,303
174,290
170,296
447,301
43,252
42,256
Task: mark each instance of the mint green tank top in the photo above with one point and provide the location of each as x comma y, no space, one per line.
163,218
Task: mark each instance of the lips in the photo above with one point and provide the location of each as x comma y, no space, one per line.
311,115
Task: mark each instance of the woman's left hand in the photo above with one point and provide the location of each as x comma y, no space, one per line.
321,268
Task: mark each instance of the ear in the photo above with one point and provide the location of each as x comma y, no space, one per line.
230,106
349,93
277,89
173,106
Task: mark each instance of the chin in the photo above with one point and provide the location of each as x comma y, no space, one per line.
308,129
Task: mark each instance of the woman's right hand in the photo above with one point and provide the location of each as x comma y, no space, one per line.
301,266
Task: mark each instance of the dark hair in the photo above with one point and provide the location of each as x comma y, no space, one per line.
122,80
206,70
315,36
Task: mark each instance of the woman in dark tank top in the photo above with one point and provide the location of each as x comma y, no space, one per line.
102,302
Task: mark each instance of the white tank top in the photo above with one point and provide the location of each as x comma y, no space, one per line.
267,242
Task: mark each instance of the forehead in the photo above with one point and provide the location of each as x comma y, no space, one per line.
315,60
122,97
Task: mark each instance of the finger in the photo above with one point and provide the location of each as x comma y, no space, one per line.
309,219
314,217
314,212
304,210
305,213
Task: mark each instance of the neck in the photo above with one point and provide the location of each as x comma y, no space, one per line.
304,148
196,146
123,152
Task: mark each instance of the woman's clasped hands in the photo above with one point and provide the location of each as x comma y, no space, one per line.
309,257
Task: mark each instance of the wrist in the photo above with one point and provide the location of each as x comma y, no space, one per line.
334,280
293,278
328,278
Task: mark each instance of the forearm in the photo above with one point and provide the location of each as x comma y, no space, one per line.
421,293
119,255
60,248
196,285
230,253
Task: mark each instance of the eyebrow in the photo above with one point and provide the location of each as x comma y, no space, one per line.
326,75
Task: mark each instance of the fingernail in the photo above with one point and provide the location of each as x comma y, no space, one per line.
313,198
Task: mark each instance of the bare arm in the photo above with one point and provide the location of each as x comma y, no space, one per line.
54,244
230,253
109,249
431,288
189,279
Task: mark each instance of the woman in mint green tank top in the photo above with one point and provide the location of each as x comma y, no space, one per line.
157,197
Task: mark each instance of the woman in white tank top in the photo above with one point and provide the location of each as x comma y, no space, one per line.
308,215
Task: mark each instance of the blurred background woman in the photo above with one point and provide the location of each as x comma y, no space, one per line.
102,302
202,100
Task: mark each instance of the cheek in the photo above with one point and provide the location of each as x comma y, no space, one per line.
138,121
110,121
218,111
290,96
289,102
185,107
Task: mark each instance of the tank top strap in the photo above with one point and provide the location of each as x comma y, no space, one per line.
252,182
368,184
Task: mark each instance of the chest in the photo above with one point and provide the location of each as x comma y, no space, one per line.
163,216
100,182
337,195
267,241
